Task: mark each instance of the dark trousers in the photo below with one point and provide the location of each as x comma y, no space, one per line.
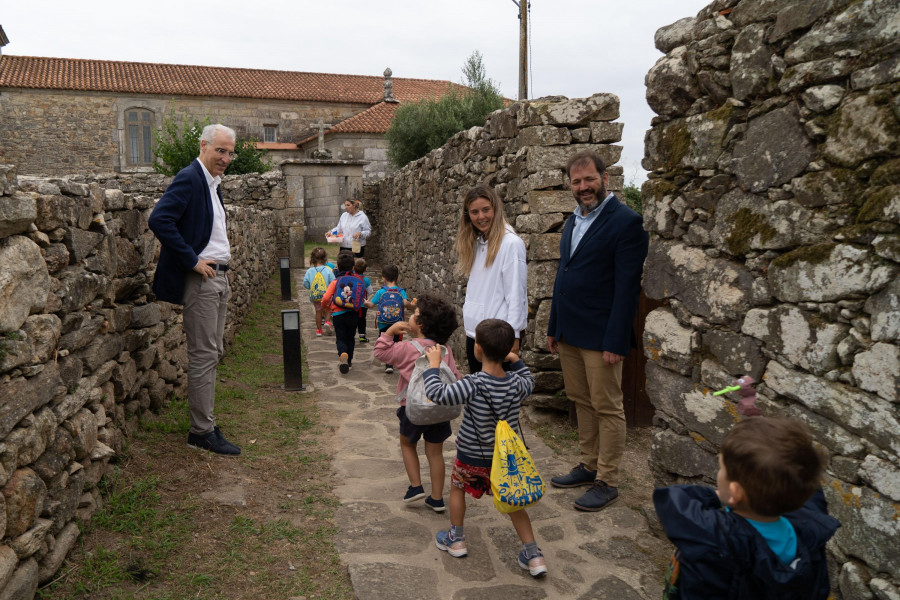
345,332
474,363
361,326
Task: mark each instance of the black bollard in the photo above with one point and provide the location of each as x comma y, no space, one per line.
290,343
285,278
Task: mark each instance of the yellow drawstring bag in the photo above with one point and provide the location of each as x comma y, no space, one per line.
515,481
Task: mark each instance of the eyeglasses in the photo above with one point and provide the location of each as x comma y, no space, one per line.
222,152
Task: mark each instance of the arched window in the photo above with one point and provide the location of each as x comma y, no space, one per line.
139,137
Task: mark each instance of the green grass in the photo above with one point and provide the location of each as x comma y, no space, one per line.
331,249
154,520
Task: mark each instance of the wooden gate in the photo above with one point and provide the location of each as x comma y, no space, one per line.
638,409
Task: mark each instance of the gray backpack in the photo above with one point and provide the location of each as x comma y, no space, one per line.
419,409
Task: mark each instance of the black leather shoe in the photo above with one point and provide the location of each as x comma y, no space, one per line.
578,476
213,441
597,498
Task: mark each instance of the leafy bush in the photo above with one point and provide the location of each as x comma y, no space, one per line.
176,147
418,128
249,159
633,198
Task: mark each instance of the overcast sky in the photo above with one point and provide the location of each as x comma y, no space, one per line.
578,47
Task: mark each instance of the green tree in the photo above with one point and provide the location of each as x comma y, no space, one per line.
177,146
633,198
250,159
418,128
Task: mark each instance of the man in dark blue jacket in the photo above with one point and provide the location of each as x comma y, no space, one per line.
189,221
602,252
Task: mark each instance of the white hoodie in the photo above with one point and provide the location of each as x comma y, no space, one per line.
498,291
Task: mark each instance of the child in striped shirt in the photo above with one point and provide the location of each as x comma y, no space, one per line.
489,395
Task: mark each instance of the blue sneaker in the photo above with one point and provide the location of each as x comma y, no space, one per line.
435,505
452,546
414,493
536,565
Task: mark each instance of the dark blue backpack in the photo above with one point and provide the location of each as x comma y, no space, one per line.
349,292
390,306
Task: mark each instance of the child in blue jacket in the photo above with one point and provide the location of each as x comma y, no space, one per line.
761,533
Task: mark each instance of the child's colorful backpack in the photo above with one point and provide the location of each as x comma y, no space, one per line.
419,409
349,292
515,481
319,286
390,306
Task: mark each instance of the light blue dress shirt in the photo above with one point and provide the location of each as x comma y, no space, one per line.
582,223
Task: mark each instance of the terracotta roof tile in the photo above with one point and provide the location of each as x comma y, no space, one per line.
375,119
152,78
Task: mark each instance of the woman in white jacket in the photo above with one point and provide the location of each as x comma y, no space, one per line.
354,226
493,257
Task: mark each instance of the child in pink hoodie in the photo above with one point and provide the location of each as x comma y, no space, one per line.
432,323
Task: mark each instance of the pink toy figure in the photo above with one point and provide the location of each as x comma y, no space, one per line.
747,403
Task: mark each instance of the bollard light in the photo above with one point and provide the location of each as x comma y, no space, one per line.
290,344
285,278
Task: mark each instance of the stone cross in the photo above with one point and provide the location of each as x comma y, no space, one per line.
321,125
321,153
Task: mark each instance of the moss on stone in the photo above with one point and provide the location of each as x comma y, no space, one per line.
874,207
814,255
860,233
657,189
887,174
745,225
723,113
676,139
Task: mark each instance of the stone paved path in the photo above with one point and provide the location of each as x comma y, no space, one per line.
389,547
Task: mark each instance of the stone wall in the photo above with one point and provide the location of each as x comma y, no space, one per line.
322,186
774,210
59,132
84,349
367,147
522,152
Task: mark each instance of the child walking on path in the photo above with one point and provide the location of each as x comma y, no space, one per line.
359,267
762,532
316,280
344,319
489,395
431,324
391,302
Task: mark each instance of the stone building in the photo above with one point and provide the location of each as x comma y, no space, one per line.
65,116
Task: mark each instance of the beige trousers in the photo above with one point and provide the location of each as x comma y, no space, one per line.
205,303
596,389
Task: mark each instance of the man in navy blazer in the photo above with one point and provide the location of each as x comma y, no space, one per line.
189,221
602,252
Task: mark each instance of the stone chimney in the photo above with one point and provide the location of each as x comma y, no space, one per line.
389,86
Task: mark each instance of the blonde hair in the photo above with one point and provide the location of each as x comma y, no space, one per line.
467,234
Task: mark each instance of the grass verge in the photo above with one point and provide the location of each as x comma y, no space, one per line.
178,523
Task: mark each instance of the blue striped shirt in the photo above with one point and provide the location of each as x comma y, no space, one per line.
487,399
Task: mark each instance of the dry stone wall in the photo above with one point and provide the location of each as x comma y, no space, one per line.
774,210
522,151
84,349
